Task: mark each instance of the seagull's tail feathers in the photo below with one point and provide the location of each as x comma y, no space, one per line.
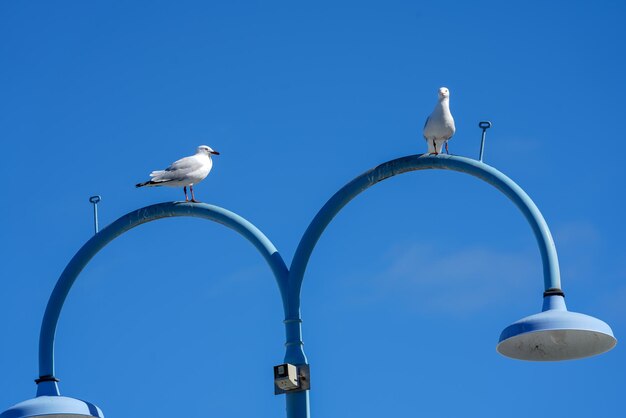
145,183
156,179
151,183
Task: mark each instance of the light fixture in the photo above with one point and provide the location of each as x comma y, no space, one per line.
50,404
555,334
53,407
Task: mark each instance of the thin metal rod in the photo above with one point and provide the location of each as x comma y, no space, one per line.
484,126
95,200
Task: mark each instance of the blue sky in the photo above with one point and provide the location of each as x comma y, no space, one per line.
408,289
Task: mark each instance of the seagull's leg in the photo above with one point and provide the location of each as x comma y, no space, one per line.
434,147
185,190
193,199
447,152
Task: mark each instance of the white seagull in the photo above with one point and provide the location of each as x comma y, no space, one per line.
184,172
439,126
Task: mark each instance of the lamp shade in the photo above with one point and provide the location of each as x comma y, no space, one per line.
53,407
556,334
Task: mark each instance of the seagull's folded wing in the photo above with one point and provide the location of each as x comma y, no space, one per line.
177,171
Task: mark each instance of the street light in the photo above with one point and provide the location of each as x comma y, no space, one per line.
554,334
53,407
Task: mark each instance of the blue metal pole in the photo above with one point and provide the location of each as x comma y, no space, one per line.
289,281
298,404
47,383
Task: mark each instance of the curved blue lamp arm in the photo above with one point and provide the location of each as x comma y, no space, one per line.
47,382
423,162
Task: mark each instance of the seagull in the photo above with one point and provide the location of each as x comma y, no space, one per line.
439,126
184,172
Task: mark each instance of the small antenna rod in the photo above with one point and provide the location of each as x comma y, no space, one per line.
484,125
95,200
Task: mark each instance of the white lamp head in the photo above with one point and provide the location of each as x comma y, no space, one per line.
53,407
555,334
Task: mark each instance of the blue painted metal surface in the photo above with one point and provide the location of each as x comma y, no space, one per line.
555,334
299,407
117,228
50,405
289,281
391,168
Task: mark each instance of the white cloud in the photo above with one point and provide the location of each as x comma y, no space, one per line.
456,282
577,234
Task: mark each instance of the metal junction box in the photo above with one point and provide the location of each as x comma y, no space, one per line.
291,378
